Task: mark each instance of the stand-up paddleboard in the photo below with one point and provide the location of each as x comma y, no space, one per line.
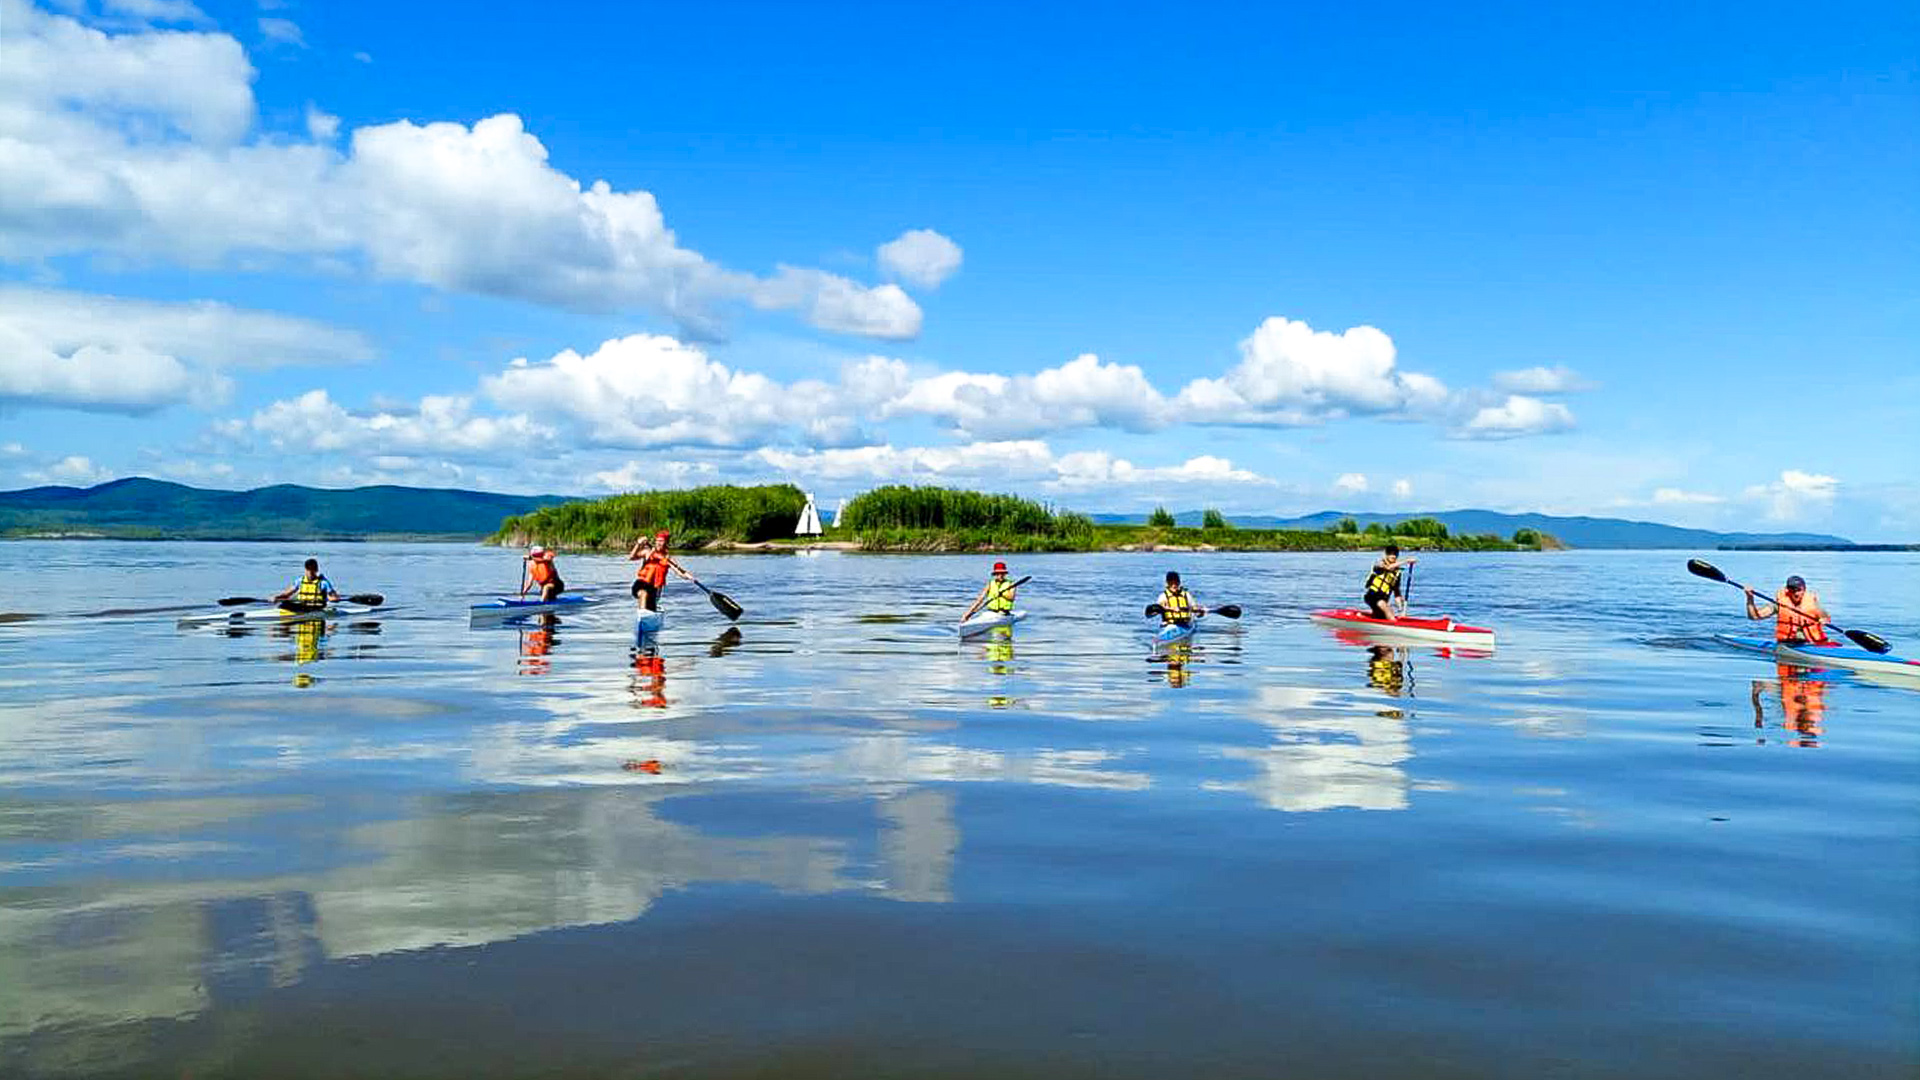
1439,629
648,623
1833,655
510,607
986,620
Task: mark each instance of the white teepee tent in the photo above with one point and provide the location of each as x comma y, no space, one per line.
809,520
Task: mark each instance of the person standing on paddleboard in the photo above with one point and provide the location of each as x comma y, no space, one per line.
540,571
655,561
311,593
1177,605
1798,617
1383,583
996,595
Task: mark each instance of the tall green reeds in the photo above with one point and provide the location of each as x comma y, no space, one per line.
695,516
936,518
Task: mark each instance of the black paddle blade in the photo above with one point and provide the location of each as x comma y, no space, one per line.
236,601
1155,609
369,599
1870,642
724,604
1231,611
1706,570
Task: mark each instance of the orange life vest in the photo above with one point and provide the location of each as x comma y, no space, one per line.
1791,625
653,569
542,570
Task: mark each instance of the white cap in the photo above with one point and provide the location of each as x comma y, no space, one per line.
536,550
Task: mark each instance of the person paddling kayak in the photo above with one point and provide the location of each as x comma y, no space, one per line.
311,593
1798,617
655,561
539,571
1177,605
1383,584
996,595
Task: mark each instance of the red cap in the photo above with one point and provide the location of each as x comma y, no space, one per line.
999,568
662,535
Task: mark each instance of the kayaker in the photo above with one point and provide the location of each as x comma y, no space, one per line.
655,561
539,571
311,593
1798,618
996,595
1383,583
1177,606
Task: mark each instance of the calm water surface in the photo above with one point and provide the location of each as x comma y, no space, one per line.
834,841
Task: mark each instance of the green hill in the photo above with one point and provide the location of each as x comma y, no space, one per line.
140,508
1580,532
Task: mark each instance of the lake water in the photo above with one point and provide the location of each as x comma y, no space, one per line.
835,841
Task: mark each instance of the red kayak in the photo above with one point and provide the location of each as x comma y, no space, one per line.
1440,629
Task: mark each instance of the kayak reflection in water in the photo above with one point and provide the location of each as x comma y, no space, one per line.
1389,669
536,641
1177,656
1383,584
311,593
1803,704
999,650
649,682
996,595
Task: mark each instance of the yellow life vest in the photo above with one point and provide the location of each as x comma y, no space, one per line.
999,595
1176,607
1384,579
311,592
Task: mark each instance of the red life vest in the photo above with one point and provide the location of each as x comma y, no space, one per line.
653,570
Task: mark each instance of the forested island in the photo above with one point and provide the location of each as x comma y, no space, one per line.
899,518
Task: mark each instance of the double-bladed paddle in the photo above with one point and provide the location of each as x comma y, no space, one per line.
365,599
1231,611
1870,642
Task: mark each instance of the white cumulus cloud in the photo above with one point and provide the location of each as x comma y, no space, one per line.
143,145
1291,375
1797,495
66,349
1084,392
1558,379
1029,461
442,426
1350,483
1515,417
1402,489
921,257
1668,496
74,470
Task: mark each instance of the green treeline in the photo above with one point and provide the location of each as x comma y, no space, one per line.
901,518
696,516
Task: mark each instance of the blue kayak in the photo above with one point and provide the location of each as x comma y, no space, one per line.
1836,655
509,607
1173,633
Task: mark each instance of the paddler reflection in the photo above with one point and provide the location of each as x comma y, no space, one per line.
997,646
649,680
1803,704
538,638
1389,669
1177,656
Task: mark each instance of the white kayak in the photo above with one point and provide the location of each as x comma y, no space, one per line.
984,621
649,622
511,607
270,614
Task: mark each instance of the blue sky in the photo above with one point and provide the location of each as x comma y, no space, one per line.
1627,261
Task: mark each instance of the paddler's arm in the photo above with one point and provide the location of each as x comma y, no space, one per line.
979,599
1753,608
634,551
682,571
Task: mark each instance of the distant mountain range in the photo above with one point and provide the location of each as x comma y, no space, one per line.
1580,532
140,508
